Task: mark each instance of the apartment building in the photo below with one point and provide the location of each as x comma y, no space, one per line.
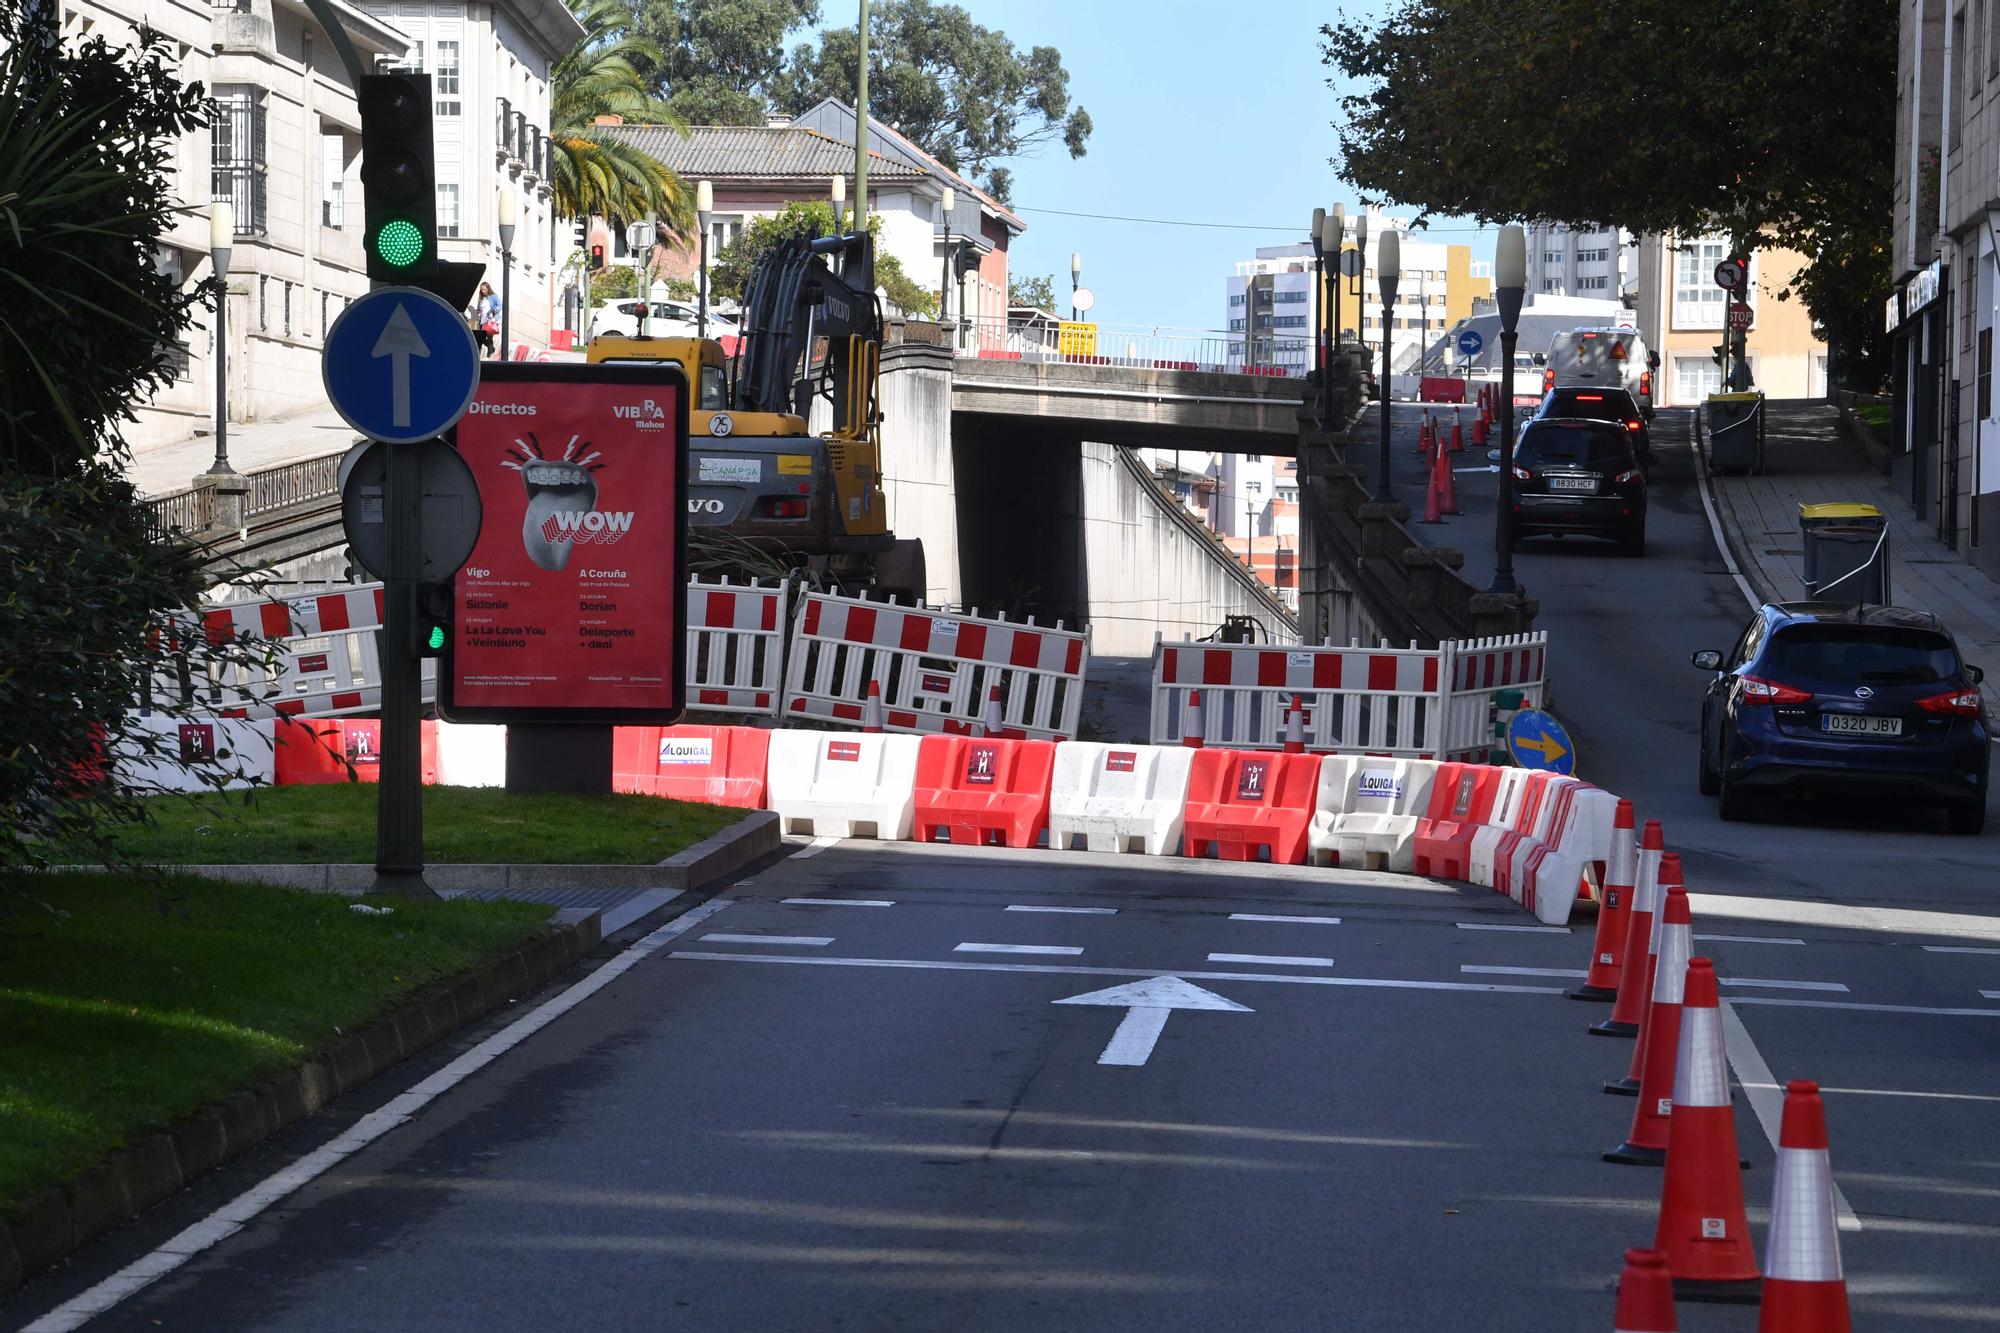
1600,262
1681,313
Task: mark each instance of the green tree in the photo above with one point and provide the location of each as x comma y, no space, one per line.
719,59
729,269
1770,122
598,174
1032,293
960,91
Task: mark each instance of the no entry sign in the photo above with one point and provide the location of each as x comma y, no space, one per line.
573,604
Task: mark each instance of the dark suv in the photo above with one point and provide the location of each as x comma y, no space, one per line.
1820,695
1601,404
1579,476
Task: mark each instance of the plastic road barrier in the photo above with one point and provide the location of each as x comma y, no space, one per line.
716,765
233,745
1574,849
843,784
1508,804
983,792
470,754
1382,700
1119,798
936,670
1380,804
1546,802
1462,797
736,647
328,664
1243,803
317,751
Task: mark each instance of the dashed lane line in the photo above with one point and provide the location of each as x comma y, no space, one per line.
1523,930
808,941
1478,969
1270,960
1955,948
1061,950
1784,985
1286,920
837,902
1751,939
1065,911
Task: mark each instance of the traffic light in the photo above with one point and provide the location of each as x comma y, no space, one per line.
1721,351
964,261
398,178
434,616
597,256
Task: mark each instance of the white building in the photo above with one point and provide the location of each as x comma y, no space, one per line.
1596,262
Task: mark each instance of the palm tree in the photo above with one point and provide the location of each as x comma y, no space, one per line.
597,173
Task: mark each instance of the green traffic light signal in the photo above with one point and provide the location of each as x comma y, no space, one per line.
436,640
399,243
398,177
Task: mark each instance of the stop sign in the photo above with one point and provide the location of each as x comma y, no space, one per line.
1741,317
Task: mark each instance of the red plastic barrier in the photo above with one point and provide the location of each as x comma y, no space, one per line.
997,354
713,765
315,751
1461,800
1441,389
1243,802
983,792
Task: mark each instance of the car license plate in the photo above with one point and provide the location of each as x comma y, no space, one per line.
1583,485
1859,724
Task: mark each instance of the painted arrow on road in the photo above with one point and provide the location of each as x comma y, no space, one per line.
1147,1004
399,339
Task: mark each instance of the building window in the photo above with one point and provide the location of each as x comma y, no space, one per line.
1698,302
333,175
1237,299
1290,321
1695,378
1236,325
1590,284
1290,298
447,208
238,162
503,124
444,80
722,233
1982,405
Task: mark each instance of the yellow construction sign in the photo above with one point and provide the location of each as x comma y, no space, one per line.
1074,339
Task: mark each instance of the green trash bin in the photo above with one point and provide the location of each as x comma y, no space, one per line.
1736,432
1846,553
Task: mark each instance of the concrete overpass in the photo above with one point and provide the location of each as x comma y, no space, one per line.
1137,406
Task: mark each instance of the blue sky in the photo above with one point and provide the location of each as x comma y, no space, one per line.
1194,122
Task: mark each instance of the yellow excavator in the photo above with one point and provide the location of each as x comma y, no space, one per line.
755,467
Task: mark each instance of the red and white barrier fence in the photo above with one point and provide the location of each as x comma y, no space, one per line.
736,646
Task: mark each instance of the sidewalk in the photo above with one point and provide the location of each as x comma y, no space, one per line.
162,468
1807,461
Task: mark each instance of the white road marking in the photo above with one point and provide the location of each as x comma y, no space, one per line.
1715,531
814,848
1138,1032
1273,960
811,941
1081,970
1533,930
1070,911
232,1216
1905,1092
1765,1097
837,902
1751,939
1866,1008
1286,920
1064,950
1952,948
1523,971
1784,985
1147,1004
1989,995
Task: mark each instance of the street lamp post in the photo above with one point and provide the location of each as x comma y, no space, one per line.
1510,280
949,202
221,239
1331,238
704,208
504,215
1075,281
1319,308
1389,268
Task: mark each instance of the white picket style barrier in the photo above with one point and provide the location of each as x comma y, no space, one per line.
935,669
844,784
1476,670
736,646
1119,798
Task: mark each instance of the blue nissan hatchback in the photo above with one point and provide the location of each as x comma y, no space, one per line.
1826,695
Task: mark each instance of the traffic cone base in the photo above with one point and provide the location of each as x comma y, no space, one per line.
1622,1087
1633,1154
1611,1027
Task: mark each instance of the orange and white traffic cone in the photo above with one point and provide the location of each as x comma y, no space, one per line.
871,709
1670,875
1804,1290
1646,1142
1645,1295
1433,492
994,719
1424,439
1607,952
1295,727
1191,735
1447,483
1635,983
1457,436
1703,1230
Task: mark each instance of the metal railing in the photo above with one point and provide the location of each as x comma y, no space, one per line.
1141,346
272,488
182,511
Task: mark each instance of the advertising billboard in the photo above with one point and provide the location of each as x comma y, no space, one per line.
573,604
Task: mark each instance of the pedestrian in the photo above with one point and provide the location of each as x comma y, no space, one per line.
485,318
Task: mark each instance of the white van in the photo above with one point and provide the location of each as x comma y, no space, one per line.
1606,357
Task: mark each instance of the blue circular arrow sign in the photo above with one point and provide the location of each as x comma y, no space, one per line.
1537,740
1469,342
400,365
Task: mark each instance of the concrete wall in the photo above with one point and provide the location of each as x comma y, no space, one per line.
918,476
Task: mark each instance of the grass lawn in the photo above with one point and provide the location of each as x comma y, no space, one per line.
1874,415
117,1018
335,824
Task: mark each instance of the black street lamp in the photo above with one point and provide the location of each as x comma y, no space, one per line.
1332,236
1075,281
1319,309
704,212
504,214
221,239
1510,281
1389,268
945,208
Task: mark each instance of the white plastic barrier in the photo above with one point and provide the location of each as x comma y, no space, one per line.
736,647
1547,803
1508,802
1338,774
1579,843
1382,802
1119,798
470,755
844,784
213,745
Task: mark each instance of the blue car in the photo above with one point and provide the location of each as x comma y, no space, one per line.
1821,696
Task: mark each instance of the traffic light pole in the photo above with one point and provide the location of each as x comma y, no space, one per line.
399,801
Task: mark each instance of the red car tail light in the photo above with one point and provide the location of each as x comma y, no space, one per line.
1956,703
1548,380
1635,425
1757,690
1645,384
780,507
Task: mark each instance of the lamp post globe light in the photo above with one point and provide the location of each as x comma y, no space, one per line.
221,239
505,212
1510,281
1389,269
704,208
945,207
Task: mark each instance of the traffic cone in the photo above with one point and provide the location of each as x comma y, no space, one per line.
1457,438
1646,1142
1645,1295
1703,1230
1635,983
871,709
1804,1291
1433,493
1628,1086
994,719
1295,727
1607,952
1424,439
1447,483
1191,721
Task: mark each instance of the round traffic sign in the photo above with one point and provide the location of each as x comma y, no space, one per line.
451,508
1083,299
1729,274
400,365
1536,740
1470,343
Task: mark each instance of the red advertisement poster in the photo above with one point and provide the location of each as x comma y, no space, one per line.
572,605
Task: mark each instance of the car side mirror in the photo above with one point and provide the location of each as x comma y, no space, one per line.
1974,674
1708,660
1541,358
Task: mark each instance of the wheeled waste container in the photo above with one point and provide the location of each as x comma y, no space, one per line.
1736,432
1846,553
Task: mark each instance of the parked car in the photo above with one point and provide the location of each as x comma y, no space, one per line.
1829,695
1601,405
1580,476
670,319
1603,358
